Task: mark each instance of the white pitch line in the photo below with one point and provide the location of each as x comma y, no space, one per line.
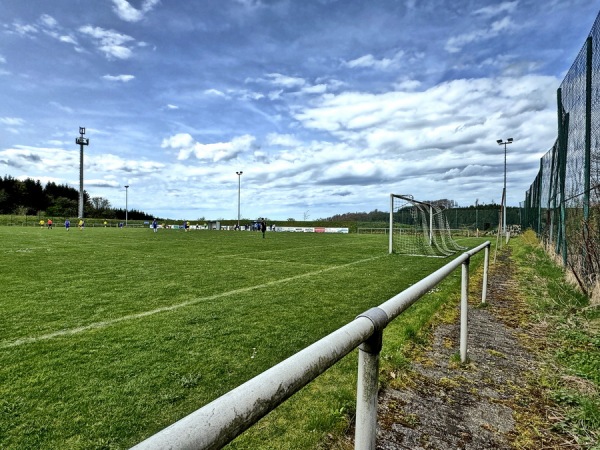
107,323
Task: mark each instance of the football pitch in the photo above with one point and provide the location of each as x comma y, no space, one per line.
109,335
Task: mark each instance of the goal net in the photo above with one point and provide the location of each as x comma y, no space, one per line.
419,228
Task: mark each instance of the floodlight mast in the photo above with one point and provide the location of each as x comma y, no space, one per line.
505,143
81,141
239,174
126,205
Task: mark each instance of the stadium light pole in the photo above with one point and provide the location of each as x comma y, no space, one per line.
126,206
81,141
505,143
239,174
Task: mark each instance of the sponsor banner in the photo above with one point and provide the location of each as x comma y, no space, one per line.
337,230
312,229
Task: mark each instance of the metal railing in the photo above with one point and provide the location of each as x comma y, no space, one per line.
222,420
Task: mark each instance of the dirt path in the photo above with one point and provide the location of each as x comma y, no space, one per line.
493,402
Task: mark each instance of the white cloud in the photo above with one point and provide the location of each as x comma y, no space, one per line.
123,78
274,95
40,159
286,81
110,42
250,4
456,113
170,106
48,21
55,142
250,95
24,30
128,13
456,43
68,39
109,163
61,107
283,140
49,26
369,61
220,151
407,85
316,89
12,121
215,93
494,10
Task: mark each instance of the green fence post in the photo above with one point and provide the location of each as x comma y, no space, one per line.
588,132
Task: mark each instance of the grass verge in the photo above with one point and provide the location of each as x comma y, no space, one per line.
572,348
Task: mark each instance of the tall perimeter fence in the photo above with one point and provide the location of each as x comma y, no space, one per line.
563,203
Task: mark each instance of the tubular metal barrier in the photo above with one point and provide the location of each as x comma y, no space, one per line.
219,422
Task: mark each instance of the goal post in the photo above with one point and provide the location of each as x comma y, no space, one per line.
419,228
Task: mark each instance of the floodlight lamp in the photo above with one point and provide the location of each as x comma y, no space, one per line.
126,187
510,139
499,141
82,130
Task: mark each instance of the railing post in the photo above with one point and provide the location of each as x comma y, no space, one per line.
368,382
464,300
486,265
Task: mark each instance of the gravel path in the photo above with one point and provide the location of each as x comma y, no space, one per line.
476,405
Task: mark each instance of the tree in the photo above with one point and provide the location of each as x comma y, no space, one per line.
29,197
64,207
4,200
100,207
34,199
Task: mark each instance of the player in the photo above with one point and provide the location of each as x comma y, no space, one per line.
67,224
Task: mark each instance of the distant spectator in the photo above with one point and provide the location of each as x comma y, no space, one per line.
67,224
263,227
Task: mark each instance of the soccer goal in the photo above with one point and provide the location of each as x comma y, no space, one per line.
419,228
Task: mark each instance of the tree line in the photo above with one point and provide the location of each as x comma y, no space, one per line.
482,216
29,197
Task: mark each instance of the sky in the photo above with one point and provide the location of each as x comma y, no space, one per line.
325,106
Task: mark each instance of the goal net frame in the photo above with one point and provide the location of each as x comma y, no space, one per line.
429,234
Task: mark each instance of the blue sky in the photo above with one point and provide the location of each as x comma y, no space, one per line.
327,106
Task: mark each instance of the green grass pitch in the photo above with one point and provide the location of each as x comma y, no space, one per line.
109,335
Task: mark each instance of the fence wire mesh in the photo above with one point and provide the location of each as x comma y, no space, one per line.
563,203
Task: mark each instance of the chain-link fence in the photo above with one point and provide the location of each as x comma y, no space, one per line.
563,203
